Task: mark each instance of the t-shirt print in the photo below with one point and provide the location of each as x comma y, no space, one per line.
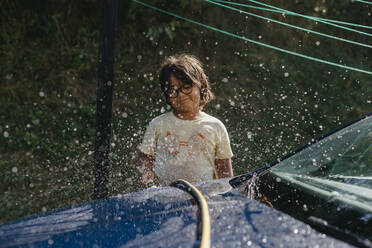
185,149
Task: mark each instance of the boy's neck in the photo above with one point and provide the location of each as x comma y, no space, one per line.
187,116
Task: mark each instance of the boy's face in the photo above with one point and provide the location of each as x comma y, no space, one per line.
187,101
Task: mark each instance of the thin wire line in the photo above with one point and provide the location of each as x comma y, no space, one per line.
292,26
363,1
293,14
345,23
312,18
253,41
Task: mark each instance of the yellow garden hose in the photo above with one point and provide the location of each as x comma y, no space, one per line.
206,222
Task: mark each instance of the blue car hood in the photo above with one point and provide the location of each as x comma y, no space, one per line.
164,217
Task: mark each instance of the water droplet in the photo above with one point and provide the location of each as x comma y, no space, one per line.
36,121
249,135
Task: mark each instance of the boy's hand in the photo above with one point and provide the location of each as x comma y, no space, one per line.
144,167
147,178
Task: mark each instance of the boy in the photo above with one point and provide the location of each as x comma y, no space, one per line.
186,142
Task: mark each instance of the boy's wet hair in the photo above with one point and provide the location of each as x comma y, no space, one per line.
189,70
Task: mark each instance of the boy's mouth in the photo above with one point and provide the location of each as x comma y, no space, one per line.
183,101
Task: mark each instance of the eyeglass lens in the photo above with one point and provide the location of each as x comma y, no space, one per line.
185,89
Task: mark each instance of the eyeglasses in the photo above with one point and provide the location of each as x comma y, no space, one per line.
185,89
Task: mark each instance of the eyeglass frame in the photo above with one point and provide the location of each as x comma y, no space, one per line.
182,88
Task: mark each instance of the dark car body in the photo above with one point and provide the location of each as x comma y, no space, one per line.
314,205
328,184
164,217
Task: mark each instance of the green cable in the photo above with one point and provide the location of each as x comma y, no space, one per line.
361,1
364,153
289,25
341,22
293,14
312,18
253,41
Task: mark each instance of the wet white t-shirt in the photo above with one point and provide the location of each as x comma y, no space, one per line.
185,149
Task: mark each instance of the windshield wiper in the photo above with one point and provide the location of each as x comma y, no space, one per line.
239,180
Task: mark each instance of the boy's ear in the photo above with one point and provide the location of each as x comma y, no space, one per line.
203,90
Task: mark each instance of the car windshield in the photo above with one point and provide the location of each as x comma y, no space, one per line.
339,165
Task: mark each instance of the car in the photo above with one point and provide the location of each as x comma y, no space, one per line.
326,183
164,217
317,196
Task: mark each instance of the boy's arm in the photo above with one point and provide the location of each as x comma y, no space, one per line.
223,168
144,167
